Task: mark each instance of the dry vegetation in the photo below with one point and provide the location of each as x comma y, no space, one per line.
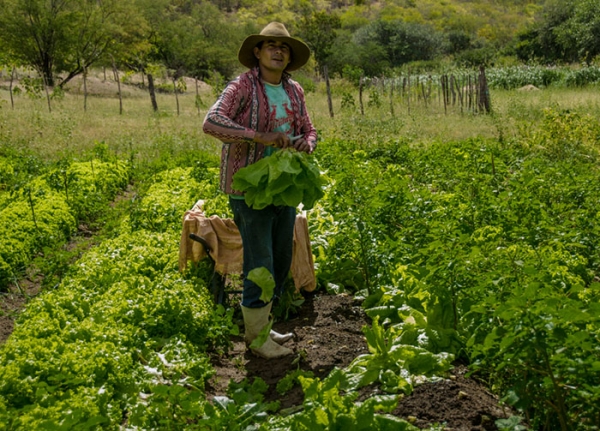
70,129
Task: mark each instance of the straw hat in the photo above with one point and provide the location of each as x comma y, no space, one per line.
275,31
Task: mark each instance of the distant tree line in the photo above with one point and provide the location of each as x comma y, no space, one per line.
199,38
567,31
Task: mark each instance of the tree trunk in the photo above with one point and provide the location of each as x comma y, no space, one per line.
152,92
46,72
47,93
176,96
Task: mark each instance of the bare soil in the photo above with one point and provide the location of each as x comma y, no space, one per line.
327,334
13,302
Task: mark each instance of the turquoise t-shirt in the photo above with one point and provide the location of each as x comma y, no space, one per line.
280,111
281,114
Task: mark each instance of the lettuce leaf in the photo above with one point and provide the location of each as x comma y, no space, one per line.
287,177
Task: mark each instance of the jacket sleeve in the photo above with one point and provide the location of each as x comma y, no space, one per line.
310,133
220,118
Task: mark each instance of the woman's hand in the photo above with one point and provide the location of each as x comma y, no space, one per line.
273,139
302,144
281,140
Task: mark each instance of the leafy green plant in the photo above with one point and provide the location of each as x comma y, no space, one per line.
243,409
348,101
130,333
393,364
42,218
162,205
327,406
287,177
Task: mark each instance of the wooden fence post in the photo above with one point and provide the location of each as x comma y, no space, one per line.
484,93
460,95
360,98
408,92
392,98
152,92
10,88
85,89
197,95
329,102
470,92
176,96
443,81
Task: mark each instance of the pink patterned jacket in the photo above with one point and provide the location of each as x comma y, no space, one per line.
240,112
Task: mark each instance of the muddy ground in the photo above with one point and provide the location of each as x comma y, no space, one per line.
327,334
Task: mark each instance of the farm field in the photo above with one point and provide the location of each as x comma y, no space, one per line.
446,243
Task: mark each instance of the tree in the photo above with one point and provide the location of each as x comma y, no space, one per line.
185,37
567,31
369,57
318,29
585,27
56,36
402,41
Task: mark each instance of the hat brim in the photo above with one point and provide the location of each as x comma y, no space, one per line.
300,51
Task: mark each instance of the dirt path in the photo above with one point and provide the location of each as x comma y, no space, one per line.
327,335
13,302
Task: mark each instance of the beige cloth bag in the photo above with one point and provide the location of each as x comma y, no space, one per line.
223,237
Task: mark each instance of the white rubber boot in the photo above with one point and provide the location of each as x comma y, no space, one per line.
276,336
280,338
256,319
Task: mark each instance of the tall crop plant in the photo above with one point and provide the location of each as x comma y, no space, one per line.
484,249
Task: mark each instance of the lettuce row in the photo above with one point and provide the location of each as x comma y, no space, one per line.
121,339
173,193
96,342
48,210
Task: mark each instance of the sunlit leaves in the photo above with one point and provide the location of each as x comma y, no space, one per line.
286,178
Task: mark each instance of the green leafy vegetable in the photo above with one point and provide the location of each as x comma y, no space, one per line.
263,278
286,178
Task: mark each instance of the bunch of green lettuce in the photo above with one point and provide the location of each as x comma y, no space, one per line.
287,177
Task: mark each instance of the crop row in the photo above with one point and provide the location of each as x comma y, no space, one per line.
509,78
480,250
483,249
121,332
47,210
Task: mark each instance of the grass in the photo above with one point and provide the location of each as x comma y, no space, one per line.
146,135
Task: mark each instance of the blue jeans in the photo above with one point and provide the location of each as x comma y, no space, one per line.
267,238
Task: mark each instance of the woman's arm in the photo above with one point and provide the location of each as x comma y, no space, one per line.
219,121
